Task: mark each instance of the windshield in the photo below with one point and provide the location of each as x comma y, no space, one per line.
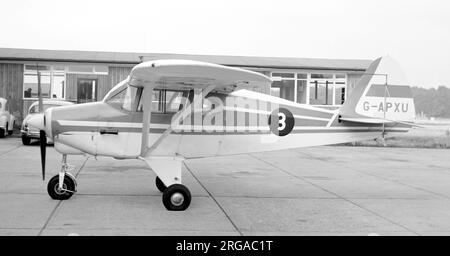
35,108
128,98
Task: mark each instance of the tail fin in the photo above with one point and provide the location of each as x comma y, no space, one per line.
382,93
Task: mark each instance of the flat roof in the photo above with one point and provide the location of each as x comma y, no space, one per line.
14,54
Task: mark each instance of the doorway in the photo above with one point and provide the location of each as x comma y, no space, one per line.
86,90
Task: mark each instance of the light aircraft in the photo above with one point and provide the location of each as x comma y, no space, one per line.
167,111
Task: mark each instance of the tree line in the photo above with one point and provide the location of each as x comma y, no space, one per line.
432,102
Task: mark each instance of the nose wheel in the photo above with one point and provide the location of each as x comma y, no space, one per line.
69,187
176,197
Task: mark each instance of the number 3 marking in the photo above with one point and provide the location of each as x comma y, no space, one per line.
281,121
285,122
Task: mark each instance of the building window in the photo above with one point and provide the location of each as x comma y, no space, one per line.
339,95
87,69
52,82
283,89
310,88
283,86
302,93
327,89
58,85
321,92
86,90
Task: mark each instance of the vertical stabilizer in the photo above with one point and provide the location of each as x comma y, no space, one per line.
382,92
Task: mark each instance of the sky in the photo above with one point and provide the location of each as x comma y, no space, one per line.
415,33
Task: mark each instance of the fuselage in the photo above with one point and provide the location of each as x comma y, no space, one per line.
242,121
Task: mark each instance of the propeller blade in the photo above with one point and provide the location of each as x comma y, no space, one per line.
41,105
42,135
43,145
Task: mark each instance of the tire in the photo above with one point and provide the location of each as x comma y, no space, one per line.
12,131
176,197
160,185
26,140
2,133
53,191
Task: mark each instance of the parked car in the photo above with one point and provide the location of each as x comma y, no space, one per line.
7,120
29,133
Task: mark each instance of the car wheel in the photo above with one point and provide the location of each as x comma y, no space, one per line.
12,130
26,140
2,132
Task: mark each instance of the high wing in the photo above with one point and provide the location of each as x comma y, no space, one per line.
187,74
201,77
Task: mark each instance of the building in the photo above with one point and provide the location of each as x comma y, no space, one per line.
85,76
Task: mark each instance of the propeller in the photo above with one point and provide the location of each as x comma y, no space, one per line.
43,146
38,121
42,135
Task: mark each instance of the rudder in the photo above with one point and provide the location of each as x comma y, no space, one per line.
382,93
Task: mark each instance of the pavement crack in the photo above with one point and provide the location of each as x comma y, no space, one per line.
378,177
335,194
8,151
214,199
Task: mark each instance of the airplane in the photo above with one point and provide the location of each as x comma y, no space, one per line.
167,111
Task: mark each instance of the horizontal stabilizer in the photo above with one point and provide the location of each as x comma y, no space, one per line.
366,120
376,121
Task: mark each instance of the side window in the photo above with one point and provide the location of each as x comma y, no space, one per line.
212,101
167,101
173,101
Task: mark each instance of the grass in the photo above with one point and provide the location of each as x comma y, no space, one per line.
405,142
429,136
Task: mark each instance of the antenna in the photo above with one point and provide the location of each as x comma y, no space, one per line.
385,106
386,93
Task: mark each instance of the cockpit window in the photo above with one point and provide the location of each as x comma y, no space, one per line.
163,101
132,98
127,99
167,101
118,99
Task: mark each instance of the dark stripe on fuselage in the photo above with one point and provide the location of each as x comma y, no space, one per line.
394,91
69,129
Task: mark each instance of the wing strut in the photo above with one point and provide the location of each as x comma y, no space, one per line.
145,150
147,104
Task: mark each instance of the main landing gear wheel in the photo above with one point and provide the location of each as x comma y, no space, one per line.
69,188
176,197
160,185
